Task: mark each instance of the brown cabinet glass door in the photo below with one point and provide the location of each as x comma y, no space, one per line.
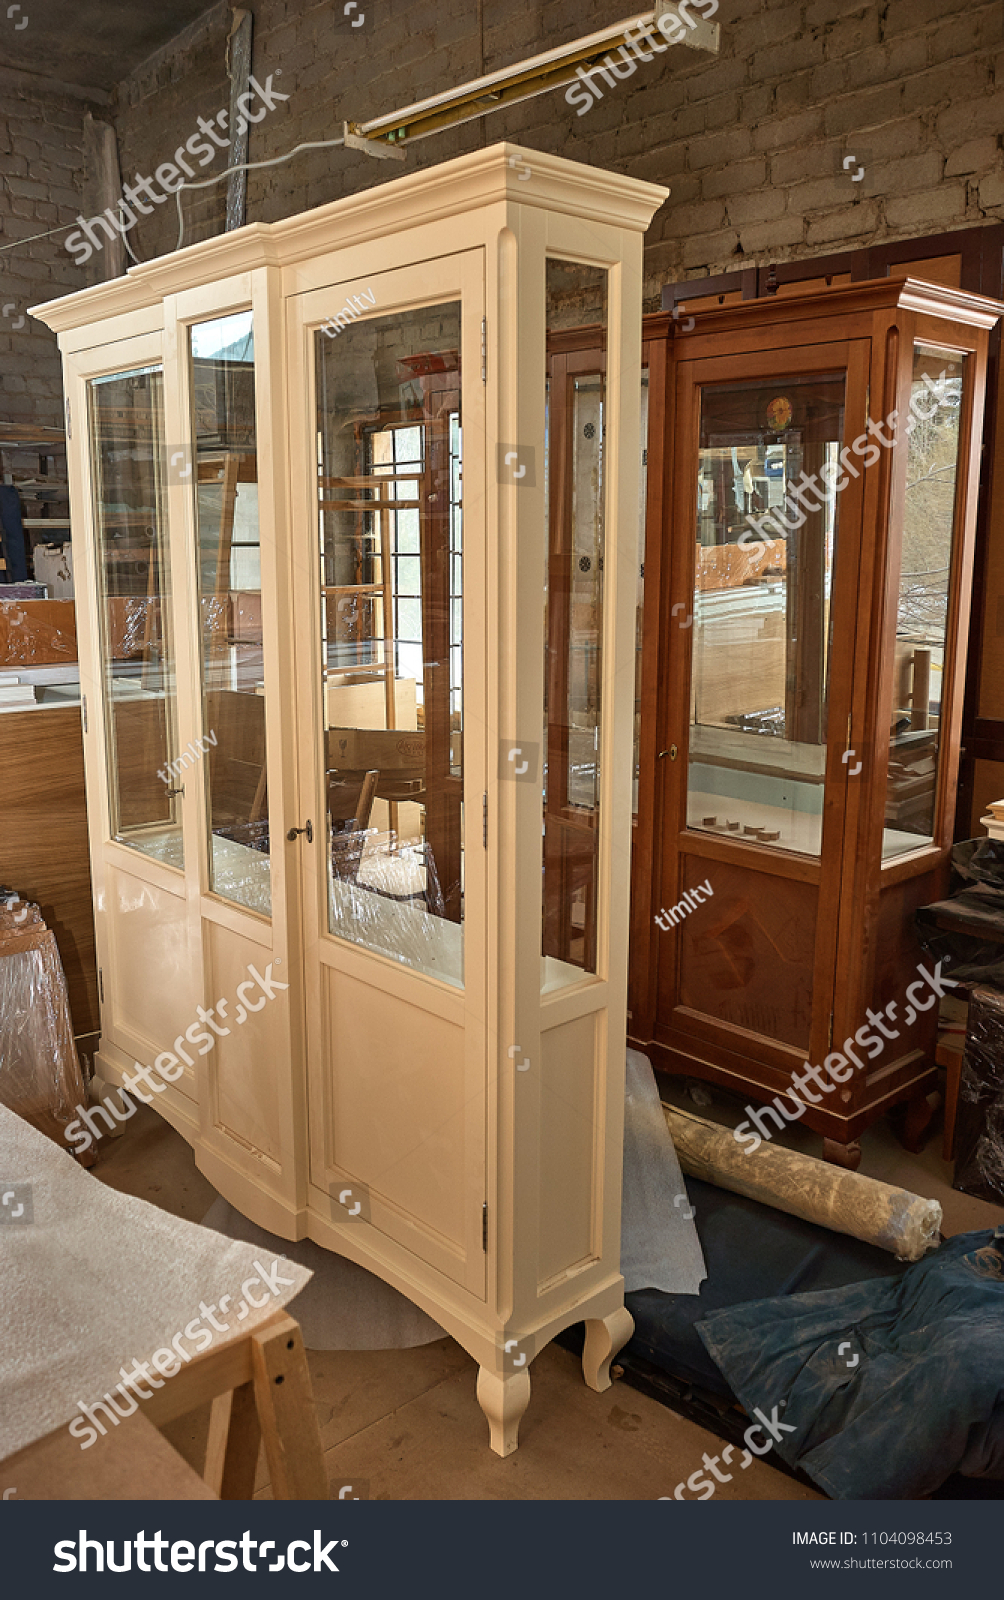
760,661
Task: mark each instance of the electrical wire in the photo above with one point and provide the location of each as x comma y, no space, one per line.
246,166
14,245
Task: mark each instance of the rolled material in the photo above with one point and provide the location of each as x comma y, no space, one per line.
893,1219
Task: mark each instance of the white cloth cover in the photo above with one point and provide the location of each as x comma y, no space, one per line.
659,1244
98,1279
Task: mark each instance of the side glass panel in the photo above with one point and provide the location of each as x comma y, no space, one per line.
390,509
766,519
573,632
232,746
126,422
922,608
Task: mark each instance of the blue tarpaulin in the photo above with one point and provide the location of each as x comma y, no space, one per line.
881,1389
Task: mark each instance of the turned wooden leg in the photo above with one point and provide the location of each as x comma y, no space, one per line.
951,1106
842,1155
604,1337
503,1401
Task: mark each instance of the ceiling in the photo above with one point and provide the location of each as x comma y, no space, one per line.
92,43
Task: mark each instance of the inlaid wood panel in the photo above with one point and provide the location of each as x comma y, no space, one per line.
746,955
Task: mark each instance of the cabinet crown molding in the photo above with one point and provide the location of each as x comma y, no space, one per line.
502,175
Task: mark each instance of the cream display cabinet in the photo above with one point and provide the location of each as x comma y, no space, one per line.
331,670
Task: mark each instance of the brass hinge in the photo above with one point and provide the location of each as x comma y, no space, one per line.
484,349
484,819
484,1227
101,985
69,430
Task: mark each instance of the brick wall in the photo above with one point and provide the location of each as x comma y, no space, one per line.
41,180
157,110
751,141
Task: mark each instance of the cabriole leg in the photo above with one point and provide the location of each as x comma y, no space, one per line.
604,1337
503,1401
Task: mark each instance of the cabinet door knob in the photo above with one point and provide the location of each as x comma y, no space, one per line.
308,830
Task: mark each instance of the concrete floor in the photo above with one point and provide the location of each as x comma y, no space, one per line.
405,1424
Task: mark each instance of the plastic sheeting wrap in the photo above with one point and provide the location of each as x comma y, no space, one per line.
979,1123
40,1075
386,895
133,624
242,867
98,1280
37,633
660,1248
893,1219
964,932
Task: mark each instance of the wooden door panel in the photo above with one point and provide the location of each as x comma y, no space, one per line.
745,956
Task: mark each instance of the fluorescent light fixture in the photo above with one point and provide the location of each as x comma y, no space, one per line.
538,75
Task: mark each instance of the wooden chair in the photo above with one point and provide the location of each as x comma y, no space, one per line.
350,803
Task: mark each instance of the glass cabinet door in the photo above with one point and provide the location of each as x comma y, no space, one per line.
929,532
575,488
390,521
766,529
225,482
126,430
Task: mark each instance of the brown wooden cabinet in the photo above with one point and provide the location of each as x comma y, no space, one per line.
808,569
